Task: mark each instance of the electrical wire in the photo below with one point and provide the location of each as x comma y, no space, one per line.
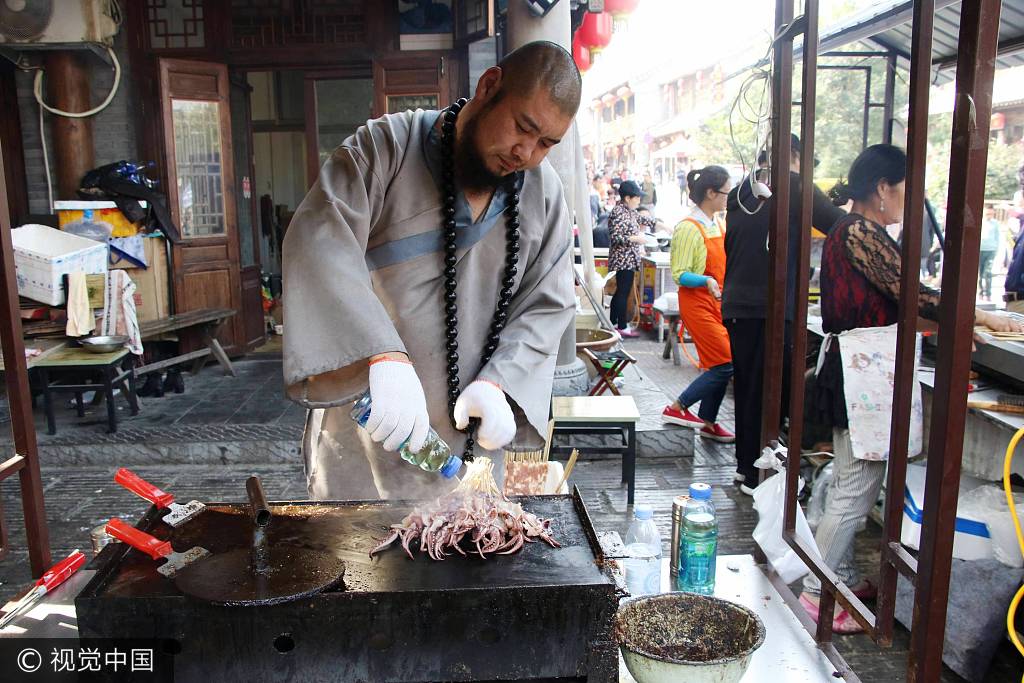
1011,629
37,90
46,161
755,113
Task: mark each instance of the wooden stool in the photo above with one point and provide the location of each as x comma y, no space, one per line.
604,415
74,364
620,360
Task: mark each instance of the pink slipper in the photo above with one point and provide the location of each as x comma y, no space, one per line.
868,592
842,623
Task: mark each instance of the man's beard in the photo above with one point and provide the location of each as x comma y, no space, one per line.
470,168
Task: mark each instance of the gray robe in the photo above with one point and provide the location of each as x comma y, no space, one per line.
363,275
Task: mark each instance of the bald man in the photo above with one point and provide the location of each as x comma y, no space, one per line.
431,263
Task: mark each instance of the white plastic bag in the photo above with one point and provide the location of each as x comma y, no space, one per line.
769,500
819,496
988,504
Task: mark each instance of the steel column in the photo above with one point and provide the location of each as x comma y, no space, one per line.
778,231
978,43
803,264
888,112
19,397
910,282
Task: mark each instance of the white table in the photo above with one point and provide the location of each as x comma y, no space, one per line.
789,653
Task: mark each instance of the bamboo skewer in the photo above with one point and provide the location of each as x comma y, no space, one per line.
568,469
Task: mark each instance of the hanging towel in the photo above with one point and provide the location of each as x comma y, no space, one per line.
80,318
119,317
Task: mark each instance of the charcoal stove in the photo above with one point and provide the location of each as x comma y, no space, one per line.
541,614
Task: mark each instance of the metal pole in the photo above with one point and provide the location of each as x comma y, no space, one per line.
910,280
778,230
890,94
803,263
867,110
19,397
978,44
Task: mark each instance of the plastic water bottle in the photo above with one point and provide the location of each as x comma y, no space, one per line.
643,547
435,456
698,542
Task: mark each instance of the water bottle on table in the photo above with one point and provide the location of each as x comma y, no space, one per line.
643,549
698,543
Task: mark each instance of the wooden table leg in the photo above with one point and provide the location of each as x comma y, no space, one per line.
613,372
79,404
108,392
128,384
51,419
210,338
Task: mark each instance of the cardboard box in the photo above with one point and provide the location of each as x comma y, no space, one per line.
71,211
151,295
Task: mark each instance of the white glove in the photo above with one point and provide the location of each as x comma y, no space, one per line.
399,408
486,401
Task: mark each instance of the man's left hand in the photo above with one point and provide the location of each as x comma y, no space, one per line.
486,400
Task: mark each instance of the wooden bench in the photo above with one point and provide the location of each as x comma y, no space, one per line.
208,321
602,415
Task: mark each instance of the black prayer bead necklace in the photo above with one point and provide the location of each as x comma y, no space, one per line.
451,320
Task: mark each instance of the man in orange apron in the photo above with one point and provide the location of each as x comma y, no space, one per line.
698,265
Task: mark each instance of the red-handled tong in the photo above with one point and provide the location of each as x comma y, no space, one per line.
51,578
154,547
178,515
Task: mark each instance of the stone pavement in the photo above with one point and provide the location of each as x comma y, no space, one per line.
204,443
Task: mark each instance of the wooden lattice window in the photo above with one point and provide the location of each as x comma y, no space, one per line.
286,23
175,24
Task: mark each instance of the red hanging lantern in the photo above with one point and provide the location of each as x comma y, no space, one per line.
620,8
581,55
596,31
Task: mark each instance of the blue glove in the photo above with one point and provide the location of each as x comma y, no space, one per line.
688,279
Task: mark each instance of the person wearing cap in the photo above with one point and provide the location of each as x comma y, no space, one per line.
745,299
626,239
698,266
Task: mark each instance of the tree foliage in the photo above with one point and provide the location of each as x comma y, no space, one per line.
839,132
1000,176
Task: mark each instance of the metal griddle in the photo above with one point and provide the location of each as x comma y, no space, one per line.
540,614
261,574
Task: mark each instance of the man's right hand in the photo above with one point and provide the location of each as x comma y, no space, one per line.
399,409
713,287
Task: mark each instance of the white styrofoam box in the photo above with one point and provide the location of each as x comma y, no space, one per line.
43,255
971,540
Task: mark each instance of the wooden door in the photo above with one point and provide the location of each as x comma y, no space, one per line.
337,101
201,190
419,82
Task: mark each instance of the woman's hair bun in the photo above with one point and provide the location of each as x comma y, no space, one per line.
840,193
692,176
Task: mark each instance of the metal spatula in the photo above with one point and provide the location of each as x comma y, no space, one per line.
178,515
155,548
